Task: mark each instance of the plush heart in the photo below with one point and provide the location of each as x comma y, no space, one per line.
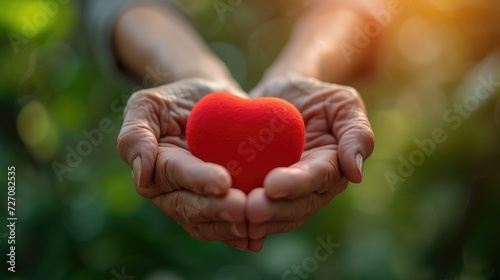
249,137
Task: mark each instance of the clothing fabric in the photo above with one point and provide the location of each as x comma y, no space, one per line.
99,17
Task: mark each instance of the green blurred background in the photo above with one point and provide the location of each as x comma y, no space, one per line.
437,219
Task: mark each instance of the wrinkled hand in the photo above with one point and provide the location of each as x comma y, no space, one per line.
194,193
338,139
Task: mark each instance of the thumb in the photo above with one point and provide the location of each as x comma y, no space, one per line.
137,141
352,128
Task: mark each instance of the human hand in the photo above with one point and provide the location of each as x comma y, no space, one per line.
338,139
196,194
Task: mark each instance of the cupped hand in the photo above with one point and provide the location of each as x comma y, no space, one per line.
338,139
196,194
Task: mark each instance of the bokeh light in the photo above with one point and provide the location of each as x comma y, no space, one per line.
36,130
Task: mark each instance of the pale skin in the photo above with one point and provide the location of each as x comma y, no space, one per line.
197,194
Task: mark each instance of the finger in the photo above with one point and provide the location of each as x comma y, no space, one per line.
177,169
256,245
317,171
352,128
259,231
137,141
187,207
240,244
214,231
261,209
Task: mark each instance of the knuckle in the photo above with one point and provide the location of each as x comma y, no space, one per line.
347,98
349,92
351,97
143,100
352,91
144,96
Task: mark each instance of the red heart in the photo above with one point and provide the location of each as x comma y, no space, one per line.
249,137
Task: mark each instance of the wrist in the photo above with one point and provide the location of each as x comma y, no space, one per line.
159,47
284,85
203,67
282,70
314,49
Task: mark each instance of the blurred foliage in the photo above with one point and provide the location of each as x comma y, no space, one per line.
440,222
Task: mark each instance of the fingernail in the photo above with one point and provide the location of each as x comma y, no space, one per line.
225,216
136,170
238,230
359,162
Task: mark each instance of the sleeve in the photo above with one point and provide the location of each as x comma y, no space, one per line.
98,18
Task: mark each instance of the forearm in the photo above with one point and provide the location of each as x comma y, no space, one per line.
319,46
146,38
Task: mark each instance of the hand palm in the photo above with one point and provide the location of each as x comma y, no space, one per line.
194,193
335,125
